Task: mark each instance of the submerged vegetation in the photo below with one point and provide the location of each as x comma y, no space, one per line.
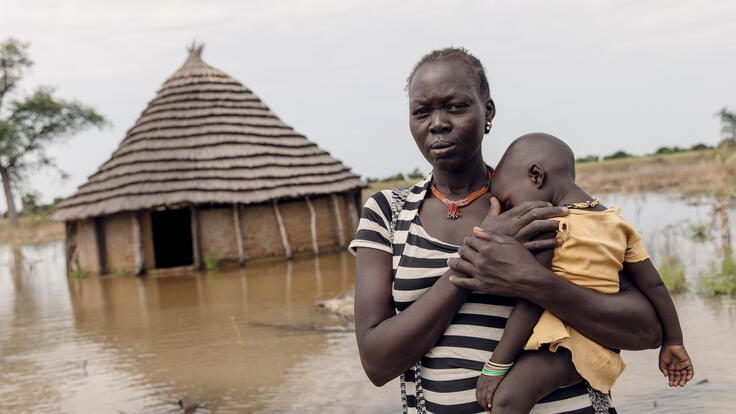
721,280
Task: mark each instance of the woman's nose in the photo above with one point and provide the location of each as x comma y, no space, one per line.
439,124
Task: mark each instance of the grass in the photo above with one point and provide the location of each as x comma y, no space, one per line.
721,280
211,262
31,230
673,275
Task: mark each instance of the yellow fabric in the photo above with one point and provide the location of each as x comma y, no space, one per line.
596,244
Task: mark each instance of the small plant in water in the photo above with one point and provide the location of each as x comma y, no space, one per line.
700,231
673,275
210,261
721,280
77,273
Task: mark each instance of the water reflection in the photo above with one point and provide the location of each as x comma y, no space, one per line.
252,340
232,340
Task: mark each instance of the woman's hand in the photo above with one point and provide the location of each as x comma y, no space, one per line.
524,222
495,263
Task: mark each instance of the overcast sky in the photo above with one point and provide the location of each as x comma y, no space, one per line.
602,75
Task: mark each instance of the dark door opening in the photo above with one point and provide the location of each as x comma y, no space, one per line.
172,237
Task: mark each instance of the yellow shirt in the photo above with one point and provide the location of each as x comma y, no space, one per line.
596,244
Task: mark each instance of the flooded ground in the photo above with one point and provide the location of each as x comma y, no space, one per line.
252,339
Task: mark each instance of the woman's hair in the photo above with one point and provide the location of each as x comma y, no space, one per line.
461,55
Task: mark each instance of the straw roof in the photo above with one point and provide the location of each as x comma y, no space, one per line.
206,138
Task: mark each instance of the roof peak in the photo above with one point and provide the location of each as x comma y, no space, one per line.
195,53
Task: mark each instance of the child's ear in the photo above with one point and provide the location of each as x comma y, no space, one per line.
537,175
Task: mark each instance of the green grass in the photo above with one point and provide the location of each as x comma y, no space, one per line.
673,275
721,280
211,261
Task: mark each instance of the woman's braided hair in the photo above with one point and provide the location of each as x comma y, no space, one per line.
459,54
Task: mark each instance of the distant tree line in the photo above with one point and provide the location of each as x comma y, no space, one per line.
415,174
728,133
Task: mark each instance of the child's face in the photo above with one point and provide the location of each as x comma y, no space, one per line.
512,186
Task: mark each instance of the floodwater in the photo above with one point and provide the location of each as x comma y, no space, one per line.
252,340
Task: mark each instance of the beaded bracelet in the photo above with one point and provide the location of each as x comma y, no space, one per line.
493,369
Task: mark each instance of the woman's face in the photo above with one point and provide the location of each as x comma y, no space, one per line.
447,114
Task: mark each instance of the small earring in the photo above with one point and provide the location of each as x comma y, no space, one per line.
488,127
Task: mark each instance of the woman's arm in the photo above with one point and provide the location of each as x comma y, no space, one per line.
389,343
500,265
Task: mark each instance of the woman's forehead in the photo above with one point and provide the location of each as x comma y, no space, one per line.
443,77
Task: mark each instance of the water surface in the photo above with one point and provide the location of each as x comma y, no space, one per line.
252,340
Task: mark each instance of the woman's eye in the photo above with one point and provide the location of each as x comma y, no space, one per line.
456,106
419,112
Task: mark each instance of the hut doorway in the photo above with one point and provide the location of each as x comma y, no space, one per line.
172,237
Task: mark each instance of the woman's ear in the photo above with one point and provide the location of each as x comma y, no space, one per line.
490,110
537,175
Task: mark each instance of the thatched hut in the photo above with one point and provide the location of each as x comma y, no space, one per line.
208,171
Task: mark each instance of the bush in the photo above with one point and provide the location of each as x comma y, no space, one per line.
700,231
673,275
721,280
210,261
416,174
617,155
589,158
700,147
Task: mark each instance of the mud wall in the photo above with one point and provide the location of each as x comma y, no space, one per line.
119,254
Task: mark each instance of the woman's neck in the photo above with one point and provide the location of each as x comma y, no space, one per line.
458,184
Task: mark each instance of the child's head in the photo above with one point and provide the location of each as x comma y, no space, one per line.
536,166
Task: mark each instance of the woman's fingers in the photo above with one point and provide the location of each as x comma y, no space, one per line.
461,265
467,251
540,213
465,282
535,228
544,244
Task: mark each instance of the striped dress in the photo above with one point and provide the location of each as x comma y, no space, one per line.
449,371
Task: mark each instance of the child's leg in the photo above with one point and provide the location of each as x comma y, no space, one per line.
534,376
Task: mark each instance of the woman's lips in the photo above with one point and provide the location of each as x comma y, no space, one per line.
441,149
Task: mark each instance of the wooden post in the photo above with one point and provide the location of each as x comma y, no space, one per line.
72,241
282,230
135,221
196,249
338,220
100,243
313,225
238,233
353,211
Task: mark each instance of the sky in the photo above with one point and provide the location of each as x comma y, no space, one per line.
602,75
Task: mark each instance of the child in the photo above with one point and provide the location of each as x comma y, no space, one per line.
597,244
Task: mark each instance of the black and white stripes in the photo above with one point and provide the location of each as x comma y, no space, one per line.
450,369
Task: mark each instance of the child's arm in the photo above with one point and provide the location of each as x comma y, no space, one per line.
674,361
517,331
520,323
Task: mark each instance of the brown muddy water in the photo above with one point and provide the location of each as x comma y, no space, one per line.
251,340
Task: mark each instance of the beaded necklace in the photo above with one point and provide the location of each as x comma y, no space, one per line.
453,206
587,204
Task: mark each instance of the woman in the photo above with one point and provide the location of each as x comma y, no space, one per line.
410,319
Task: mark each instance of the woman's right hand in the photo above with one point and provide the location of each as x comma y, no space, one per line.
524,223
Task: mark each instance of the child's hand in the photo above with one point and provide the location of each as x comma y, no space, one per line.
674,362
485,388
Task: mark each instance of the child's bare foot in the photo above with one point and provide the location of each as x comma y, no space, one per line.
485,388
675,363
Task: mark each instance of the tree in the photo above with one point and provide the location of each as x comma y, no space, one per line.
30,123
728,124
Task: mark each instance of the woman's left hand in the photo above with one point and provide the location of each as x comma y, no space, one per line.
495,263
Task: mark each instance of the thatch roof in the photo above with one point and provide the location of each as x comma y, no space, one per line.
206,138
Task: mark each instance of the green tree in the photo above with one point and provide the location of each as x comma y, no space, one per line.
728,124
28,124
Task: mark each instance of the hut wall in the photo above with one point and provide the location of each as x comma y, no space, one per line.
347,222
87,246
149,255
217,235
296,220
119,252
326,223
260,230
